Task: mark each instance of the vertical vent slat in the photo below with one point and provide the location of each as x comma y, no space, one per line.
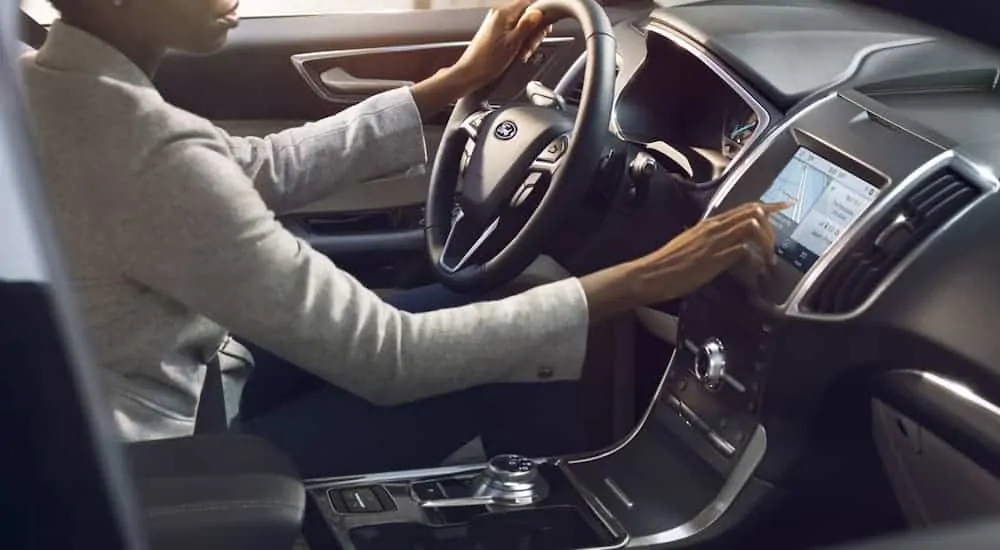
853,279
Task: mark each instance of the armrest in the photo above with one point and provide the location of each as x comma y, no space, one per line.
217,493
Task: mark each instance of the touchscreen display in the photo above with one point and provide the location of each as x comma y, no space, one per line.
827,200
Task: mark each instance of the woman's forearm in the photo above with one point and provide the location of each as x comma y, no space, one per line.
443,89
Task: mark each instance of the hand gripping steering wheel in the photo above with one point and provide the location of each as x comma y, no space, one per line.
521,168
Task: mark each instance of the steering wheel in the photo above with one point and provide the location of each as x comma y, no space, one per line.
521,168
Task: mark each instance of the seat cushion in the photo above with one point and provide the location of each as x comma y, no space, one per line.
218,493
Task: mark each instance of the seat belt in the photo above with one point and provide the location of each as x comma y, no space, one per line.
33,33
211,417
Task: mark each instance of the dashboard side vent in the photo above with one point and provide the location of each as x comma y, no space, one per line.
926,209
575,92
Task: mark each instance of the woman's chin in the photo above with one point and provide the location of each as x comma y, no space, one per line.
209,42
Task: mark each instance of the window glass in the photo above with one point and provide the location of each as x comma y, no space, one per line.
43,12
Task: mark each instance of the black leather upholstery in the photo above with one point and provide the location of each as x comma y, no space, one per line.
218,493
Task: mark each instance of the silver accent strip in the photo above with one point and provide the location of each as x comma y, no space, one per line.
618,492
738,479
961,391
721,444
639,426
975,174
300,60
428,474
486,234
763,116
459,502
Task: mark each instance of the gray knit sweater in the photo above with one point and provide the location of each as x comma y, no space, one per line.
169,227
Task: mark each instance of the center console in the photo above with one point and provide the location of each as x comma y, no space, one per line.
840,165
511,502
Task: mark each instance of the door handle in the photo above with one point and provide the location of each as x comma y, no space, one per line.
342,83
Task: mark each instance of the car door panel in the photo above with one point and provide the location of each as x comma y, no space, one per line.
939,441
253,76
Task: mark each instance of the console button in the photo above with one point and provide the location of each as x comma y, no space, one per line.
428,491
361,501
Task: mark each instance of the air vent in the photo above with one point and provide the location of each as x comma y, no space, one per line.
853,279
575,92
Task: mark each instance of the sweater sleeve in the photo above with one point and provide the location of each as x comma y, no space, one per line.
199,233
378,137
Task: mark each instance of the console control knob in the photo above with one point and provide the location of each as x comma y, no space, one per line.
511,480
710,366
710,363
512,468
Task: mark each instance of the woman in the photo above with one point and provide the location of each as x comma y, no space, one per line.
169,225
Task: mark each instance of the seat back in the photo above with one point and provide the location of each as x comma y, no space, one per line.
65,482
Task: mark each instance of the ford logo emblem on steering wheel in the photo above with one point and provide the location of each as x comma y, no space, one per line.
506,130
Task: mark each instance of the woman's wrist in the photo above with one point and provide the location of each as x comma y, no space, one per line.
465,78
444,88
614,290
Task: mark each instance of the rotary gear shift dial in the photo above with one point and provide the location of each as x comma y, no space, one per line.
511,480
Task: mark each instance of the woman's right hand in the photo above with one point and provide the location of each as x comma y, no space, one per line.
688,262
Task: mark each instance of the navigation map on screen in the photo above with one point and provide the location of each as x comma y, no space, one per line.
827,200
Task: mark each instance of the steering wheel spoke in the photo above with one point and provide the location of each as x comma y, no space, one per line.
473,122
470,127
464,240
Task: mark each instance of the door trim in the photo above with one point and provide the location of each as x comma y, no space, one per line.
300,61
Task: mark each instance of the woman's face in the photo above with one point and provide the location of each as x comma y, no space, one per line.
194,26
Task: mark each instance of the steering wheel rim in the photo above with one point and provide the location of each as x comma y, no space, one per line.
520,135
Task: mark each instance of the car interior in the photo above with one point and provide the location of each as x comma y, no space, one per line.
851,393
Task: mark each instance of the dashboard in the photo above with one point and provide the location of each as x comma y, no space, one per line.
883,136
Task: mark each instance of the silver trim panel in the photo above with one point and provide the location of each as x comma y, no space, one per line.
619,493
301,60
737,480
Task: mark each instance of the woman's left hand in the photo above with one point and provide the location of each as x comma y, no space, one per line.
510,32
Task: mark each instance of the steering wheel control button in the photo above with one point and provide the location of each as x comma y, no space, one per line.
555,150
506,130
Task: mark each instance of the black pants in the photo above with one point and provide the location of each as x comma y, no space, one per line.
330,432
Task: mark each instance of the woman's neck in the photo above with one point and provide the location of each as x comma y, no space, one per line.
145,55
